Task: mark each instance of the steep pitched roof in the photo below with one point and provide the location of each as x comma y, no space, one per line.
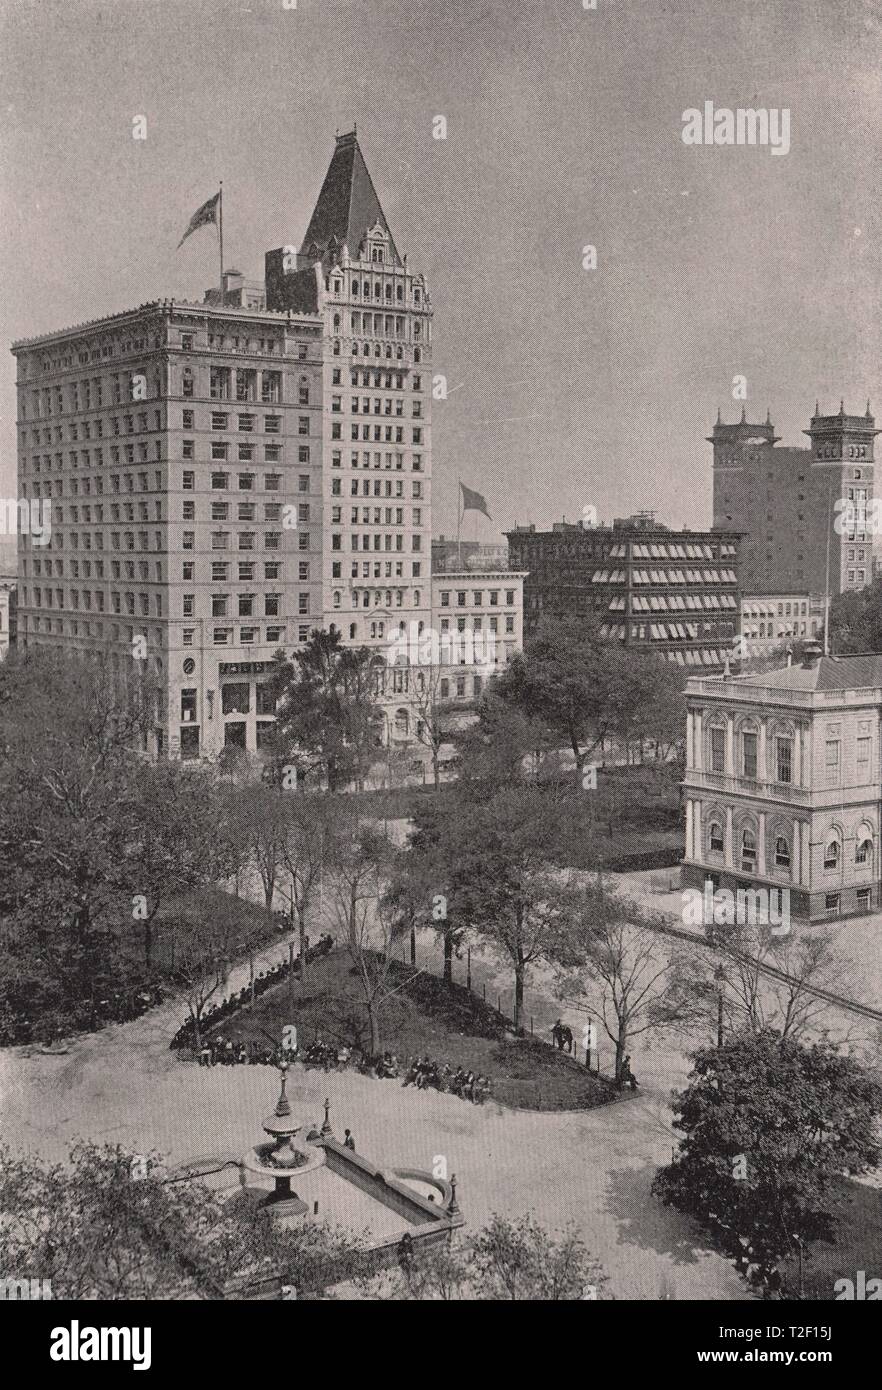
348,205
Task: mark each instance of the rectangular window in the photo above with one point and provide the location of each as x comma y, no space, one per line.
718,750
748,745
784,759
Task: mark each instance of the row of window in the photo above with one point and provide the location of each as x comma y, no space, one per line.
246,605
380,460
375,542
222,511
381,488
390,434
391,381
782,857
477,597
367,405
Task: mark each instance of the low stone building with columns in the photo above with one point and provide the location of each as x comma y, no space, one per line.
783,784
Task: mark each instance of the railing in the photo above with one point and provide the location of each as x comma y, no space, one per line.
748,786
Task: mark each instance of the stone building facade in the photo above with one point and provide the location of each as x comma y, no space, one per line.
224,477
783,784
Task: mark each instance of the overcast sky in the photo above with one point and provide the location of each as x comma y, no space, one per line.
573,387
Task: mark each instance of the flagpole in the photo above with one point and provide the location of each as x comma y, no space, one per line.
220,236
458,521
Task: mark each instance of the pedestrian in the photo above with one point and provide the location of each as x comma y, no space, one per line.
348,1141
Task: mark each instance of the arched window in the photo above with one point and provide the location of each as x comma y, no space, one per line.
715,837
187,385
782,852
748,850
832,852
417,595
354,288
336,347
353,630
417,355
336,598
389,292
863,852
399,294
402,723
336,323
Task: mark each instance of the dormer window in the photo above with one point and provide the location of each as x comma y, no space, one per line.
337,286
377,253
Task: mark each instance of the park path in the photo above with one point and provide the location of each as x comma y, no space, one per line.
123,1085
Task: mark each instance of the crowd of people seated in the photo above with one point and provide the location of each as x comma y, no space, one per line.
424,1072
187,1034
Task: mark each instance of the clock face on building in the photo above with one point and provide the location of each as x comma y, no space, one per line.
189,666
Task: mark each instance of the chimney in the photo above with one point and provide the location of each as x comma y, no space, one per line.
811,655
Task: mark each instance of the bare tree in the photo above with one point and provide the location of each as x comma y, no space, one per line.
633,979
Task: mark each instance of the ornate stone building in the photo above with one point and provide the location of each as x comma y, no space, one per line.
224,477
783,784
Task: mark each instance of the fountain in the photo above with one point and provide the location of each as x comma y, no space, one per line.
281,1158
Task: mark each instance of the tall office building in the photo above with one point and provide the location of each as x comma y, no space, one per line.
222,478
804,512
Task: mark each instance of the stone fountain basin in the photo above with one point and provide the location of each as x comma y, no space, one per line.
256,1161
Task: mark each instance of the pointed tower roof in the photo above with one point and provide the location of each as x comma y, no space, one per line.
348,206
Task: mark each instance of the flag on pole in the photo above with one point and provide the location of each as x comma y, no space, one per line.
474,502
203,217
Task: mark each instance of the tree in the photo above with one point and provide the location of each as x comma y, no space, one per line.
518,1260
769,1125
305,836
586,688
92,836
327,715
368,922
491,856
206,944
645,981
432,713
109,1225
856,620
506,1260
178,835
756,999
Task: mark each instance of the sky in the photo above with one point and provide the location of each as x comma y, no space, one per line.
568,387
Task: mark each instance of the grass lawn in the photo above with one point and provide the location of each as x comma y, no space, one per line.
858,1245
424,1018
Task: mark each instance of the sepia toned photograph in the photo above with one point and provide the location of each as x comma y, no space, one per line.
440,651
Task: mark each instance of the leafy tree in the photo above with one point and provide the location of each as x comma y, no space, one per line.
489,854
107,1226
856,620
88,829
769,1126
505,1261
586,689
327,713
